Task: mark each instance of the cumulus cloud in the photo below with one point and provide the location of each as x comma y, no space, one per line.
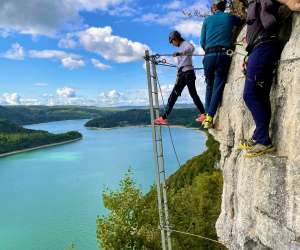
99,65
68,42
111,47
38,17
68,60
175,12
15,53
189,28
174,5
12,98
66,92
72,63
110,98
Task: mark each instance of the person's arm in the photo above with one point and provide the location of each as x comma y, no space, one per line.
294,5
203,35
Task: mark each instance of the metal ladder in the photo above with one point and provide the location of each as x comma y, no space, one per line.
158,154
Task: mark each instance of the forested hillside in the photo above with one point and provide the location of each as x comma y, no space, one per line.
23,115
140,117
14,137
194,193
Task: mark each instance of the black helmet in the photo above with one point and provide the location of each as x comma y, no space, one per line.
175,35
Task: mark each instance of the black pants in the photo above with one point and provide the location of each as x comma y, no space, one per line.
260,73
188,79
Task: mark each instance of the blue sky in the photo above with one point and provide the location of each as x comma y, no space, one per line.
88,52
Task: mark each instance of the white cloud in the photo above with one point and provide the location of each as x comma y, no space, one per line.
68,42
48,54
99,65
68,60
174,5
12,98
162,19
72,63
41,84
45,17
66,92
111,47
175,12
15,53
189,28
110,98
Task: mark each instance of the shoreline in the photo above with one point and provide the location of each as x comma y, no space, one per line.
37,148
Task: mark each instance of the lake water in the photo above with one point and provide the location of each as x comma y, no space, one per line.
50,198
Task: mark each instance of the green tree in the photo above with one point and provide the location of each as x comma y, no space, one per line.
120,229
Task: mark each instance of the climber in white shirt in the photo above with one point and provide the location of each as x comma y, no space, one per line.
185,77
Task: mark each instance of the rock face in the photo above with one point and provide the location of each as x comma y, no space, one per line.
261,196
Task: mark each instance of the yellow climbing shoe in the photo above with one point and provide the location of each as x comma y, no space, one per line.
208,122
247,144
259,150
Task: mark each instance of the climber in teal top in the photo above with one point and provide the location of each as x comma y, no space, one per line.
217,30
216,40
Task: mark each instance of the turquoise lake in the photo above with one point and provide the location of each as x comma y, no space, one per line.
50,198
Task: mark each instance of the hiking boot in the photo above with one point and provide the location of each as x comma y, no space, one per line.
201,118
258,150
247,144
160,121
208,122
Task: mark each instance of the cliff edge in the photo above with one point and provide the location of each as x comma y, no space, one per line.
261,196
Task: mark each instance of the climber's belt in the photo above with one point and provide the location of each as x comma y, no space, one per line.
218,49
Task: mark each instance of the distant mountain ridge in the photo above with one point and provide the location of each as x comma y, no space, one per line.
24,115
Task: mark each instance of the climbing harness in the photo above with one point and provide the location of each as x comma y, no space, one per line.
154,89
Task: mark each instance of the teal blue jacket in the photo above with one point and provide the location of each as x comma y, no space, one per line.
217,30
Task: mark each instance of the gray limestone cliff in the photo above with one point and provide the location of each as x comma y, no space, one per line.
261,196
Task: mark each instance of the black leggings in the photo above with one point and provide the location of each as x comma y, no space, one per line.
188,79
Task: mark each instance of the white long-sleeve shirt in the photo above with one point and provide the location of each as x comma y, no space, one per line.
185,61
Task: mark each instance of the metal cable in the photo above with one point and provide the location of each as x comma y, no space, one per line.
197,236
171,55
174,66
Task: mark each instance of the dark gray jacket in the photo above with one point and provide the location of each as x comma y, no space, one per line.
262,21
